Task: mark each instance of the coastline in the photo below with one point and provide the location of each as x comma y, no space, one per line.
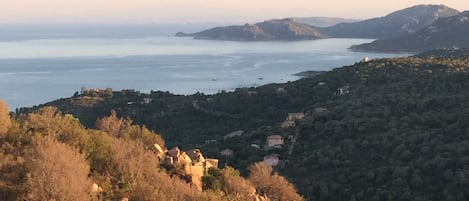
181,66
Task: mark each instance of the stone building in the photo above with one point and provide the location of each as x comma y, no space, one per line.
271,160
295,116
274,141
287,124
192,162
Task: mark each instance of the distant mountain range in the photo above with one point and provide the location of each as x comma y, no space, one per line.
398,23
324,21
283,29
452,32
414,29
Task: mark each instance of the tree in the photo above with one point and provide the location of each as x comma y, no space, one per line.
11,173
123,128
210,182
4,117
46,120
65,128
143,134
98,150
113,124
56,172
271,184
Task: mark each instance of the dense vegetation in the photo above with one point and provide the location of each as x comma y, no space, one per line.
46,155
400,134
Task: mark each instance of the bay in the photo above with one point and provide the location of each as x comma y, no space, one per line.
39,70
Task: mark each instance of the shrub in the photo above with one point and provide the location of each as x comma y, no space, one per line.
271,184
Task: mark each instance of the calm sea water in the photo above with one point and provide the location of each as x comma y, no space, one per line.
34,71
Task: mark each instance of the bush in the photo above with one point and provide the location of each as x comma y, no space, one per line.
210,182
271,184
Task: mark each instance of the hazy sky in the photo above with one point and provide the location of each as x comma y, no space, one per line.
144,11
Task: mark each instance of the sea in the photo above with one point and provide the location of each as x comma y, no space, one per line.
41,63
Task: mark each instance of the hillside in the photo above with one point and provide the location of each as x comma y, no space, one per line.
398,23
284,29
449,32
323,21
396,129
48,155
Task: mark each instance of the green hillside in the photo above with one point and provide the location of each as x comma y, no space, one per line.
398,130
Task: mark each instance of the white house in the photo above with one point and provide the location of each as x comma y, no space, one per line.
365,60
343,90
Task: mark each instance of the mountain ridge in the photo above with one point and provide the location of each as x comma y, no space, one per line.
448,32
402,22
324,21
397,23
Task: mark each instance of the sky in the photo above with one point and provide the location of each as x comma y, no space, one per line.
198,11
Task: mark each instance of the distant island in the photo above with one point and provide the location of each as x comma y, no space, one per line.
284,29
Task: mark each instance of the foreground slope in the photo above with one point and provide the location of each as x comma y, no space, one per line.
398,23
45,155
400,133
